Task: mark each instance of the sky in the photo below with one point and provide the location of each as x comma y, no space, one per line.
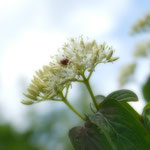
32,30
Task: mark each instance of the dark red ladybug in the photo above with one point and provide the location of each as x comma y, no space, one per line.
64,61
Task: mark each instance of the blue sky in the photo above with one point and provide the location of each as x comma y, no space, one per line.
32,30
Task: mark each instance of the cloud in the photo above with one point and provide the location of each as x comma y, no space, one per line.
91,22
93,19
31,50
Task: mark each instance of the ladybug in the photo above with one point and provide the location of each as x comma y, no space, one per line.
64,61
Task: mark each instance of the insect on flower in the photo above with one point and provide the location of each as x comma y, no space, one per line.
73,59
64,61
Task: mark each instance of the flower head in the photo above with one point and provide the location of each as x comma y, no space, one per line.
142,25
69,65
142,49
126,73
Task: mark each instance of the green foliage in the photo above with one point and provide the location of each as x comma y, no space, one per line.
88,137
12,140
131,110
146,90
116,126
146,116
122,95
100,98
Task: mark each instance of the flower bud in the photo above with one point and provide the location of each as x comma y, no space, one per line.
27,102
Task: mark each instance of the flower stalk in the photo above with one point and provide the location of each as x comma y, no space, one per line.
64,99
73,109
86,82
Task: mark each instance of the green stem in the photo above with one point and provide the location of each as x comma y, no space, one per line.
86,82
57,99
89,75
67,89
71,107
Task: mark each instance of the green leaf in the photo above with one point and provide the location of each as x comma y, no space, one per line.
131,110
146,116
122,95
122,130
114,127
88,137
100,98
146,90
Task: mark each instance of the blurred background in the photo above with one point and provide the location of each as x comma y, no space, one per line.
30,32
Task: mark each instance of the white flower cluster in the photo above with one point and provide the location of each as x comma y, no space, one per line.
142,49
69,65
126,73
142,25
